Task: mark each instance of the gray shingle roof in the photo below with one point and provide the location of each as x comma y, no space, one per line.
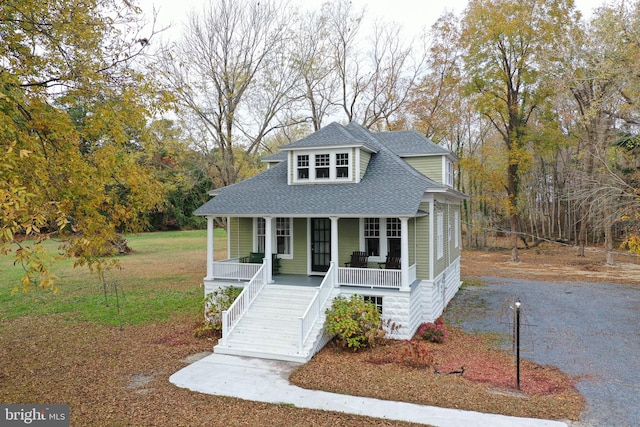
390,187
330,135
410,143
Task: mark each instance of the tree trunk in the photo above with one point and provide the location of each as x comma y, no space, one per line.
608,241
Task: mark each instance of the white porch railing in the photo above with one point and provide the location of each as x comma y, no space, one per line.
313,312
233,269
232,316
373,277
412,274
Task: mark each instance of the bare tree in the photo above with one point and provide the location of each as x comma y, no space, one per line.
395,72
319,80
230,51
343,23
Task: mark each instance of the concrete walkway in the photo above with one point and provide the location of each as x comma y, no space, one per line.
264,380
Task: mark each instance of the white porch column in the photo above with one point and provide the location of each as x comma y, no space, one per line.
210,254
268,240
334,239
334,248
404,254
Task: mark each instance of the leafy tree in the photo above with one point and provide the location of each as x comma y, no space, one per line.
507,47
72,119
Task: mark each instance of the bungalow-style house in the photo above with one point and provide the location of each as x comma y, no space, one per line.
342,211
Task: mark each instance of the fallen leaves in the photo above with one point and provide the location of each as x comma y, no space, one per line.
486,385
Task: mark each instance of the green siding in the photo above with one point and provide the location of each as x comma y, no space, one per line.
364,162
297,265
348,239
240,237
422,243
428,166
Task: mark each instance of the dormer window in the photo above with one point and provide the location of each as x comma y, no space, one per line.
342,165
323,163
323,166
303,166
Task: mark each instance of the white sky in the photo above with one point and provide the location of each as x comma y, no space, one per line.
412,14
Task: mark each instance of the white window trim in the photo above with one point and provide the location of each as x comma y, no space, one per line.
293,162
274,237
448,173
383,239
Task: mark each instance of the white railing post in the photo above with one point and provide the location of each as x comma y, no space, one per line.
301,336
225,319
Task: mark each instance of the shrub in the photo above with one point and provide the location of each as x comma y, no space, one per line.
214,304
433,332
415,354
357,324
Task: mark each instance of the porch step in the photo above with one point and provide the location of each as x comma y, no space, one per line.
270,328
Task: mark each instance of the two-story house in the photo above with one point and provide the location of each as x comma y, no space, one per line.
342,211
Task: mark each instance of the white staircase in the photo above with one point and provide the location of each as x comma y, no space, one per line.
270,329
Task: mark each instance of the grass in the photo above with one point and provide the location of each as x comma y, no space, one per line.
161,278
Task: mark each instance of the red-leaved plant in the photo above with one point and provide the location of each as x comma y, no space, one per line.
433,332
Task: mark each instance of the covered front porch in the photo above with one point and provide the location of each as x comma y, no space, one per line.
319,243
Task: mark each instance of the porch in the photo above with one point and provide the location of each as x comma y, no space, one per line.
307,246
233,270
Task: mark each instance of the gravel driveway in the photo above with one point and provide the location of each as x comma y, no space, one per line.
588,330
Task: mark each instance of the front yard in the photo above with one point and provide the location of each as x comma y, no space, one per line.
68,348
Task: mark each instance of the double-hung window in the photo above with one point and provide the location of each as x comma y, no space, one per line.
342,165
440,235
260,235
283,236
372,236
282,233
394,232
303,166
322,166
449,173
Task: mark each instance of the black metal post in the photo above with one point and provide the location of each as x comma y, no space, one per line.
518,344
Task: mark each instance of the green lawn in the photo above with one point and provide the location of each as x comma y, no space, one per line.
161,278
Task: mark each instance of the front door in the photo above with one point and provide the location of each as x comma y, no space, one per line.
320,244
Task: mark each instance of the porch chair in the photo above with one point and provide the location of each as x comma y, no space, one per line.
392,262
358,260
253,258
257,257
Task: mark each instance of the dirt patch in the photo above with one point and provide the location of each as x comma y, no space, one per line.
553,262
